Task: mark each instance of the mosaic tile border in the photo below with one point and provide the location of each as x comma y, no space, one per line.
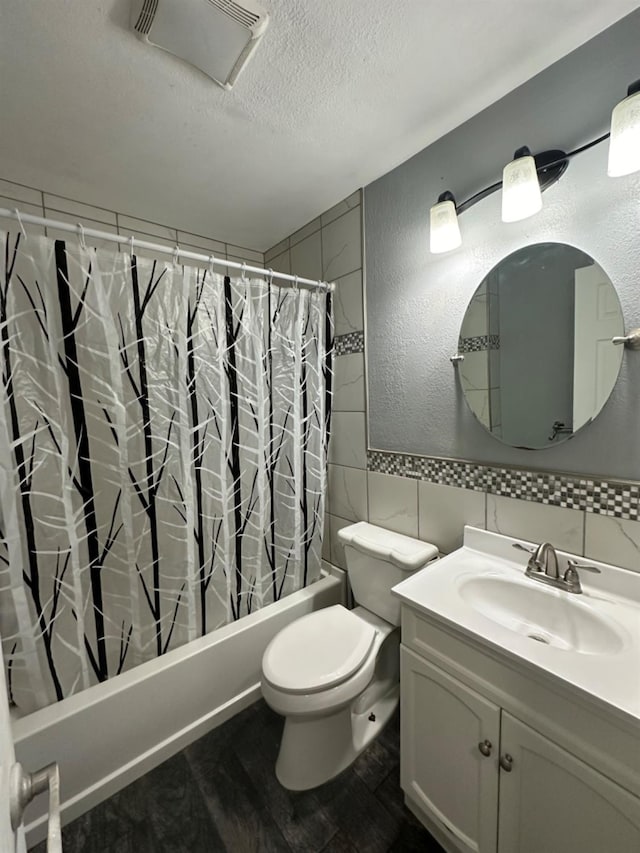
478,343
604,497
349,343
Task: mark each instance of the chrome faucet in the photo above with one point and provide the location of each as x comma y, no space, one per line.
545,560
543,566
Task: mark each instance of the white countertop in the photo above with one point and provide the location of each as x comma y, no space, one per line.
609,678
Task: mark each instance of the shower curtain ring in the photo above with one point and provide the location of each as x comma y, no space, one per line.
212,260
83,242
270,277
131,239
244,271
295,283
176,252
20,223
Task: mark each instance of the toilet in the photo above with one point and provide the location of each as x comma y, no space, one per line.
334,674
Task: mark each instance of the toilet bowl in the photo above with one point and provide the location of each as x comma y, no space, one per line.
334,674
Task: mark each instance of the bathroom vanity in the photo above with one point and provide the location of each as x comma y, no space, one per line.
520,704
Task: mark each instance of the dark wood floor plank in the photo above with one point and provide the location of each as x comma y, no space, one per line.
135,842
414,839
390,793
362,818
303,822
176,810
119,823
220,795
389,737
242,820
374,764
339,844
412,835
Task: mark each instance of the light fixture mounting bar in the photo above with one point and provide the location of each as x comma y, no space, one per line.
550,166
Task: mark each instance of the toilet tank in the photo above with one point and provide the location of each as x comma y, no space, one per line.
378,559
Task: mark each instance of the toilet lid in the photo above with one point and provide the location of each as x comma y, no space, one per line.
317,651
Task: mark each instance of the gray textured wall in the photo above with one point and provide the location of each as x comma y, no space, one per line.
416,301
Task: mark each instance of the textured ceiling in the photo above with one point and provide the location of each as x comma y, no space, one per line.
338,93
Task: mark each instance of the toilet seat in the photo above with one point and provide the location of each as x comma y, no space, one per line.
318,651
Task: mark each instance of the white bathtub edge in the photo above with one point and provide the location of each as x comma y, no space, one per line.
103,789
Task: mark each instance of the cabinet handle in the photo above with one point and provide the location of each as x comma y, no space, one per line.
506,762
485,747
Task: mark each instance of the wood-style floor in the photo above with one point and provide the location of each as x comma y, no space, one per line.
221,794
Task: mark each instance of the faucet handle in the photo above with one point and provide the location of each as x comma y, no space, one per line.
584,567
572,580
533,565
571,576
526,548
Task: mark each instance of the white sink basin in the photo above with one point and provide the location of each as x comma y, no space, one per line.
544,615
588,642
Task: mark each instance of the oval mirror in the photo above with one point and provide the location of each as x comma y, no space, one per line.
536,338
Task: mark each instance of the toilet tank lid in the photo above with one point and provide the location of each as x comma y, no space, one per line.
405,552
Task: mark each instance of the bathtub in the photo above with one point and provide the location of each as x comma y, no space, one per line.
112,733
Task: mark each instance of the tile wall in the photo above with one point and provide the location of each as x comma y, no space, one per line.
40,203
429,498
437,512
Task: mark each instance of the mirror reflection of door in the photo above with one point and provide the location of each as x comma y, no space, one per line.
596,362
539,363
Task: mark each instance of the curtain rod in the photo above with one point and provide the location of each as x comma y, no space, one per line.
82,232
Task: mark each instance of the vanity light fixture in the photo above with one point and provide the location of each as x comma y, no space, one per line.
528,175
444,229
521,195
624,145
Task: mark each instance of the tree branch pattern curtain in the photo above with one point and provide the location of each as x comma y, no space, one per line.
163,442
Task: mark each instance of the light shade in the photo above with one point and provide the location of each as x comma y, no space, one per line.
521,196
624,144
444,228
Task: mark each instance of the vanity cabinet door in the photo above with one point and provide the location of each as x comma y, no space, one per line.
446,729
551,801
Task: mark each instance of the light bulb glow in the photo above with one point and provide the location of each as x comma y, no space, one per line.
624,144
521,196
444,231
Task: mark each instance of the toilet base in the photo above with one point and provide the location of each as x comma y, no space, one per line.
315,750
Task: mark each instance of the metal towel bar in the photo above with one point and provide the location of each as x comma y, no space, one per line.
24,787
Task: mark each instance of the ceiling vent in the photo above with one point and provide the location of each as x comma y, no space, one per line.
216,36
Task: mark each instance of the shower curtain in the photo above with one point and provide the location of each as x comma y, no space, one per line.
163,441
